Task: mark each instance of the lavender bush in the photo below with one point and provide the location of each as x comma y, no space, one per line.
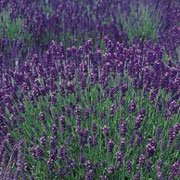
86,96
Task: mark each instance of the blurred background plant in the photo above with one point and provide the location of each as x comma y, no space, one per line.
142,22
13,29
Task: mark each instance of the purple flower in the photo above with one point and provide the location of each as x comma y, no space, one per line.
89,175
111,169
43,140
151,147
110,145
119,159
138,122
123,128
90,140
132,106
37,152
41,116
174,170
129,166
106,130
94,127
124,88
123,143
142,160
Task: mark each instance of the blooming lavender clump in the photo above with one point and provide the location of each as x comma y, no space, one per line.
89,89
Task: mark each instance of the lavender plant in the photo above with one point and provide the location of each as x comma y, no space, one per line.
88,97
67,109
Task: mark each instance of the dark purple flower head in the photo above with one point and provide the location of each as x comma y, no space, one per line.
112,110
138,122
110,145
21,108
88,165
132,106
123,143
119,159
106,130
90,140
41,116
53,142
111,169
124,88
89,175
119,156
123,128
175,169
62,153
94,127
43,140
63,123
50,163
151,147
142,112
129,166
37,152
142,159
139,138
173,132
173,107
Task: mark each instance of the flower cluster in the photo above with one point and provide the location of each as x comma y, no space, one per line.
95,106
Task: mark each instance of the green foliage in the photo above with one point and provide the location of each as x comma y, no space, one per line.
12,28
141,23
48,10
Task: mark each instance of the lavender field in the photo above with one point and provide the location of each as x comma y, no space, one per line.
89,89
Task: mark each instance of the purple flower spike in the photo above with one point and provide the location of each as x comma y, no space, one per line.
151,147
110,145
106,130
111,169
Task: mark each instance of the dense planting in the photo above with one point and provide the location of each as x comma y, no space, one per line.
89,90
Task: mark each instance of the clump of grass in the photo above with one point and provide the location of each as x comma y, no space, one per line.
141,23
13,28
